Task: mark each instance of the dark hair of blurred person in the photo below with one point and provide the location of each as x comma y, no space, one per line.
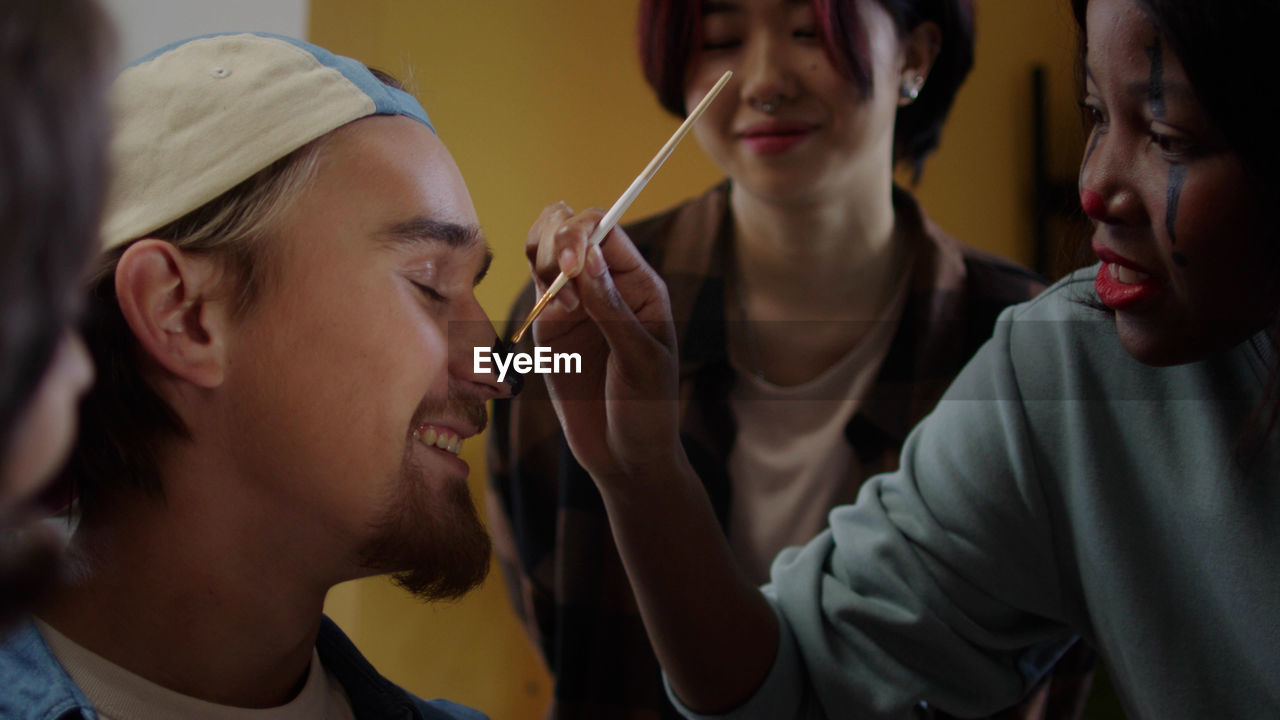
53,131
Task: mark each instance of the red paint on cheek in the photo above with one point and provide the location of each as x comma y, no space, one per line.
1092,204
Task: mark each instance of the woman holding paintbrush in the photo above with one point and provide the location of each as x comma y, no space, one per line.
821,315
1104,468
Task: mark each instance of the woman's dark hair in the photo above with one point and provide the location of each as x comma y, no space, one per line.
1225,50
669,31
54,58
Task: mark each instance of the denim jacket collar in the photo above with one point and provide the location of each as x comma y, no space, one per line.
33,685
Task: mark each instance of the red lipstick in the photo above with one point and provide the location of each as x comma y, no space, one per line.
1122,283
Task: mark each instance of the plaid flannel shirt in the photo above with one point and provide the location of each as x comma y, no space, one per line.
551,533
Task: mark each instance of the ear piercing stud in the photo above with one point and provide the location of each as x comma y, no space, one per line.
910,88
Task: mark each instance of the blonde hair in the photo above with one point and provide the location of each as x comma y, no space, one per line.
236,227
124,422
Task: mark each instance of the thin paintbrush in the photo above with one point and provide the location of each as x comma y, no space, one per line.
611,217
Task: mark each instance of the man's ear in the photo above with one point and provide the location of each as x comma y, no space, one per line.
169,300
920,48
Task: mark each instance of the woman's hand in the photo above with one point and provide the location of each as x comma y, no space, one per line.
620,413
620,418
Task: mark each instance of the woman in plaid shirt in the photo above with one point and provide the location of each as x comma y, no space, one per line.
1104,468
821,315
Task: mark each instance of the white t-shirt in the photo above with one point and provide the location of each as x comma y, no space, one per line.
790,463
118,694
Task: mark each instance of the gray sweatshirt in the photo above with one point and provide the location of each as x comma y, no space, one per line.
1060,489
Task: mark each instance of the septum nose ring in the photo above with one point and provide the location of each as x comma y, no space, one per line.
770,104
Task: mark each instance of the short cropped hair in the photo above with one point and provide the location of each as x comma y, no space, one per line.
54,62
669,31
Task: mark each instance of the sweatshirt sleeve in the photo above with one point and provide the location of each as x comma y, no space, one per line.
940,584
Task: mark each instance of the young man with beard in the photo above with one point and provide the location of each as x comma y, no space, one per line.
284,320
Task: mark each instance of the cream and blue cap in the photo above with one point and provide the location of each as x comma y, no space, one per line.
196,118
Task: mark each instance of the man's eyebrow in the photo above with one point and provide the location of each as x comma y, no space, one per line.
423,229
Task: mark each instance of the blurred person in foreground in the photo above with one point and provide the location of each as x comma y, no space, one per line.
54,60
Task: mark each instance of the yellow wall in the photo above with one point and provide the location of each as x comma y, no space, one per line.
542,100
979,185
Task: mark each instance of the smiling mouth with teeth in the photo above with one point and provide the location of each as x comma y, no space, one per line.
439,438
1128,276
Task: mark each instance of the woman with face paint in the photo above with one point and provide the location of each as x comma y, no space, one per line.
1105,468
53,77
822,313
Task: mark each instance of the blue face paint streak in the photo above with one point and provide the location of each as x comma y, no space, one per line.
1155,93
1177,177
1093,145
1177,173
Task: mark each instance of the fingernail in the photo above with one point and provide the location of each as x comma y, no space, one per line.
568,260
596,266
